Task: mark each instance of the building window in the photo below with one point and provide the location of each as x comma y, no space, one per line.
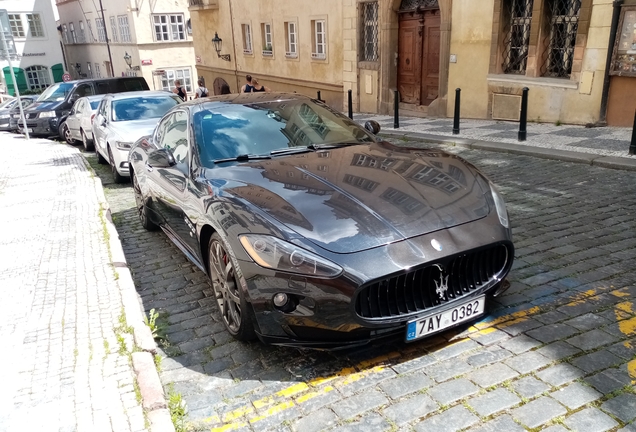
101,32
266,35
564,22
370,32
35,25
38,77
65,33
15,21
71,26
89,72
183,75
247,38
517,35
124,29
169,27
319,39
91,35
98,72
113,29
291,39
82,32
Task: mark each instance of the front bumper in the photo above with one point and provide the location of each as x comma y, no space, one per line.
42,127
120,158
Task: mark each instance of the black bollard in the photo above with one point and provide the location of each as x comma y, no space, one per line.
319,96
396,110
524,115
349,100
458,93
632,145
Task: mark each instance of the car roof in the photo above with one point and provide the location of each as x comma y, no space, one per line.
101,79
249,98
141,93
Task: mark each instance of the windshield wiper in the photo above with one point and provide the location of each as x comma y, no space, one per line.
242,158
290,150
312,147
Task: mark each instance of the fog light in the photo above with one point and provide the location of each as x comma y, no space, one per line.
280,300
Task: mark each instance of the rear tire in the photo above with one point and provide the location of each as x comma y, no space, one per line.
117,178
88,144
142,211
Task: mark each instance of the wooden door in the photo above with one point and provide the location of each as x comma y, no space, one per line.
430,57
410,58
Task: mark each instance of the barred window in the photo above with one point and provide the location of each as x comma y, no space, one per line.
124,29
15,21
35,25
65,33
516,35
89,72
71,26
101,33
98,72
113,29
564,23
369,31
82,33
169,27
38,77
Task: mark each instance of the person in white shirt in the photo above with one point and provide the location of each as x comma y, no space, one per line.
202,91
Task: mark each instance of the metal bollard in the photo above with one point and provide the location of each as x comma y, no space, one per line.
318,97
396,110
632,145
458,93
350,102
524,115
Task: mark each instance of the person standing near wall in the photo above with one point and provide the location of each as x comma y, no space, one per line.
179,90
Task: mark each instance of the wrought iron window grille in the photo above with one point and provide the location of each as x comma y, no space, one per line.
370,51
517,21
561,38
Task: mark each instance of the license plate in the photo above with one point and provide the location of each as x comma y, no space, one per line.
432,324
29,130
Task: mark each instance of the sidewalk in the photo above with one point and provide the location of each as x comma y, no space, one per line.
601,141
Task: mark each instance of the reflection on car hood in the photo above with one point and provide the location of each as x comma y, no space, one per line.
43,106
359,197
134,129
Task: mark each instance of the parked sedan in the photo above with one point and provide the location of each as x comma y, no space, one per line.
14,114
5,110
121,119
78,125
314,232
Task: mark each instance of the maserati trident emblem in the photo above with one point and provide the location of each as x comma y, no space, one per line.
441,286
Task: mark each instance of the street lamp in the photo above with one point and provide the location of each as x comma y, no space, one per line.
218,45
128,59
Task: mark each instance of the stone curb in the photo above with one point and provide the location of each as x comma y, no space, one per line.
613,162
152,395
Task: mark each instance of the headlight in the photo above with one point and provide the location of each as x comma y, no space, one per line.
4,116
123,145
276,254
46,114
500,205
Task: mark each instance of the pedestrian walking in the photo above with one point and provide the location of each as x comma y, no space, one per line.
256,87
179,90
247,87
202,91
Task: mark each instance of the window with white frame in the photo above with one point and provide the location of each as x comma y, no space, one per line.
36,29
291,39
319,39
89,72
65,33
169,27
98,72
38,77
71,27
82,33
247,38
17,30
183,75
101,33
124,29
113,29
266,35
91,35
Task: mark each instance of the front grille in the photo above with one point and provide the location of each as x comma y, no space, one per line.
31,116
422,288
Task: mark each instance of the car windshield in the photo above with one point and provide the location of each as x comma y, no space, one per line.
55,93
228,130
142,107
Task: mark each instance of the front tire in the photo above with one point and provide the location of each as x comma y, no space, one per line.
117,178
88,144
229,296
65,133
142,211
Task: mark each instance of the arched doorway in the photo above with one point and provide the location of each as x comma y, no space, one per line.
218,83
419,51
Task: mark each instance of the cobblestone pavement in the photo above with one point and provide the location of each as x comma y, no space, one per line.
61,369
558,351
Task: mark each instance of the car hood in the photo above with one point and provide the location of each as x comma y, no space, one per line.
43,106
134,129
359,197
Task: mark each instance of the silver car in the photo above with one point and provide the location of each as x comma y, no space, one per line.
78,125
122,119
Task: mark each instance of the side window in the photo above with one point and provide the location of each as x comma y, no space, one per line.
175,139
160,131
102,87
83,90
78,107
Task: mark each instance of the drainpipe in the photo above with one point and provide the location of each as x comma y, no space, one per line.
608,62
110,57
238,85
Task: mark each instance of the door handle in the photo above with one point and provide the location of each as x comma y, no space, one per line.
148,167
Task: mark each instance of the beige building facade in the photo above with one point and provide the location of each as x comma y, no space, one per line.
425,49
155,37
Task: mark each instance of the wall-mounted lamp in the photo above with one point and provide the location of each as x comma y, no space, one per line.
128,59
218,45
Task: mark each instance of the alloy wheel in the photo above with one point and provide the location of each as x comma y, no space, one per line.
225,287
67,134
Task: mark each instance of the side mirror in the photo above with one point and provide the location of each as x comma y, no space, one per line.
372,126
161,158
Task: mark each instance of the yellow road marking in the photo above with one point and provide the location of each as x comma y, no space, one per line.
631,369
228,427
273,410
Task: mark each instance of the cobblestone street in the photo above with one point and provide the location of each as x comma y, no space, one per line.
62,367
558,350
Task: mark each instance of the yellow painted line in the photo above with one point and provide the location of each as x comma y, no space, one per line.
307,396
518,316
273,410
628,327
322,380
240,412
621,293
228,427
287,392
377,360
631,370
626,307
